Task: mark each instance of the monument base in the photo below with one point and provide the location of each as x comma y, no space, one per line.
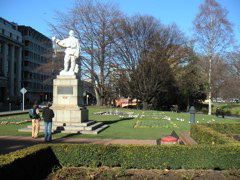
67,100
89,127
69,115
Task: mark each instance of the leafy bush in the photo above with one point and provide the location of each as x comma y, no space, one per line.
204,110
237,112
149,157
225,128
206,135
35,162
38,161
227,111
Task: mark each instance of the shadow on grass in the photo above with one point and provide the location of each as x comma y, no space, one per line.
104,122
116,121
69,135
41,136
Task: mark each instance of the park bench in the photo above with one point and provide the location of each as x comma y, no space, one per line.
174,108
186,139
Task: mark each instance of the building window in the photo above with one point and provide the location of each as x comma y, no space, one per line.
1,64
26,43
26,63
26,53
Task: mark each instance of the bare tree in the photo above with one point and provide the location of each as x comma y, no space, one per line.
213,33
136,35
148,49
133,37
191,79
231,87
92,21
220,76
234,62
150,78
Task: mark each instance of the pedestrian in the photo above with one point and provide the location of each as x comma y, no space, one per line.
217,111
222,112
35,116
47,115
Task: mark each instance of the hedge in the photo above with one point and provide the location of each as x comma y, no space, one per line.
225,128
149,157
35,162
206,135
38,161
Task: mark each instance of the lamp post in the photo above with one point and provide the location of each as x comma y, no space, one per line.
192,112
87,99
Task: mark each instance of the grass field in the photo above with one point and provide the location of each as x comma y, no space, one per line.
228,108
137,124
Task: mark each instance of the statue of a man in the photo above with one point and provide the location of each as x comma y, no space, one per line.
72,52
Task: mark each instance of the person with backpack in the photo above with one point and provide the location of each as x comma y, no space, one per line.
35,116
47,115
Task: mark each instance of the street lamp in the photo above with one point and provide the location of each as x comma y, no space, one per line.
87,99
192,112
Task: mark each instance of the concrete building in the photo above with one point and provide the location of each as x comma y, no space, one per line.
37,51
10,61
23,50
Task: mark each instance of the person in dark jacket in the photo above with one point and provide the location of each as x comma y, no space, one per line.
35,116
47,115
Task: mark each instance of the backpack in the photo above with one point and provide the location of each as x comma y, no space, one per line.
32,114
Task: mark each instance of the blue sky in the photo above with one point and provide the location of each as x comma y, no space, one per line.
36,13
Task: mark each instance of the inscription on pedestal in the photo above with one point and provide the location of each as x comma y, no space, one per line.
65,90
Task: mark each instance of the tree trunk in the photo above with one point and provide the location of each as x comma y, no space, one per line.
145,105
210,83
188,104
210,103
98,98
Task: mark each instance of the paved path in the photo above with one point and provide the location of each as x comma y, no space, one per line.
13,143
7,113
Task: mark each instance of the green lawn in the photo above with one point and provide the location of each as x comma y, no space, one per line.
228,108
139,125
14,118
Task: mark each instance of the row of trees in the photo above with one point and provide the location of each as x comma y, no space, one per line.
139,57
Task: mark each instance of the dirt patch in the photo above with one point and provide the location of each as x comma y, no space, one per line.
236,137
103,173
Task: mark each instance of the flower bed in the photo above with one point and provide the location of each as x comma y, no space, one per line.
20,122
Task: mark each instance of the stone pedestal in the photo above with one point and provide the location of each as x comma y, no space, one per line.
68,101
70,114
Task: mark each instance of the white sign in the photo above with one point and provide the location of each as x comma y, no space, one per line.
23,90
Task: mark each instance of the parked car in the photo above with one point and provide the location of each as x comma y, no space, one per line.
43,104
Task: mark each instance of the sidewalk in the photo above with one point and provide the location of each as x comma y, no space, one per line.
7,113
13,143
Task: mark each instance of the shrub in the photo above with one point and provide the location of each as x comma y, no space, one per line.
35,162
227,111
206,135
225,128
149,157
237,112
204,110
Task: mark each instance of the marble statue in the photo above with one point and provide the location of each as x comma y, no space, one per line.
72,52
